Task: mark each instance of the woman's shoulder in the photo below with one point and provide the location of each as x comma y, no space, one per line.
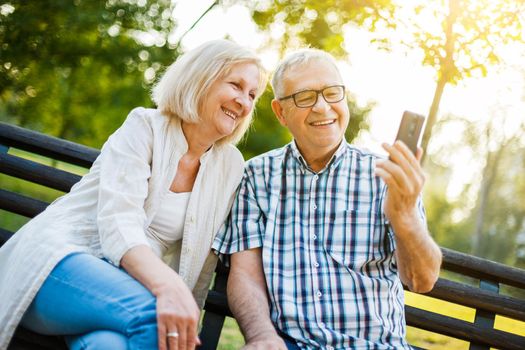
148,115
228,161
232,155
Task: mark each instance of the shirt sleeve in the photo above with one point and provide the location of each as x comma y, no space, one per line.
124,173
244,226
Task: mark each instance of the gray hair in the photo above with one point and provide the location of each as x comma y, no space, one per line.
181,91
295,59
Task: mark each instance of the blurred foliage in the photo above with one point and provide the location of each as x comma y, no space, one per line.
488,217
74,69
471,38
318,23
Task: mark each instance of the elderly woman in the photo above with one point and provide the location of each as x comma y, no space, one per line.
123,261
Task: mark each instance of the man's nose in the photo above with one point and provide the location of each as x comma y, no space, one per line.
321,105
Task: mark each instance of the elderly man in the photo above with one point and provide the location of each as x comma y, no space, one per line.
323,234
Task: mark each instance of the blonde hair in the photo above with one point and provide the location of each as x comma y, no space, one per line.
181,91
295,59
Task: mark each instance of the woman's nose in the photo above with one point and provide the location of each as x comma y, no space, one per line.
244,101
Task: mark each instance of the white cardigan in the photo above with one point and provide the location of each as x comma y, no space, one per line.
109,210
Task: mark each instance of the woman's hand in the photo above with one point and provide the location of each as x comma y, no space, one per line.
177,311
177,315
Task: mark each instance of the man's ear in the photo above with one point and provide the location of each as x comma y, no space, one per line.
278,111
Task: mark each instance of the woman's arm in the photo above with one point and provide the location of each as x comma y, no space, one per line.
177,310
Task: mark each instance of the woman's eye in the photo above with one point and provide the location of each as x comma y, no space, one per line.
235,84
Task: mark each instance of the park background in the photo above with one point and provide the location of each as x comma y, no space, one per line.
74,69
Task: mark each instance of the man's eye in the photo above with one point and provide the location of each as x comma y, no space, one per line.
304,97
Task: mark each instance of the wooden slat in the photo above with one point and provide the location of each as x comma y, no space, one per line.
4,236
482,268
26,339
45,145
479,299
441,324
22,205
38,173
218,303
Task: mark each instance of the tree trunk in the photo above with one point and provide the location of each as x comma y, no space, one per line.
447,69
490,172
432,115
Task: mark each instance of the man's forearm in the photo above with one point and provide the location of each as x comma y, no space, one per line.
418,256
247,296
249,304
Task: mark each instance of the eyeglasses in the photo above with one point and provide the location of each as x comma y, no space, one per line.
308,98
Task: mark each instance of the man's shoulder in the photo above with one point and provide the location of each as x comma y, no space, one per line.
363,153
272,156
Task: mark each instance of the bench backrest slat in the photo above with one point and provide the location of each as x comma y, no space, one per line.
462,329
48,146
21,205
476,267
37,173
485,300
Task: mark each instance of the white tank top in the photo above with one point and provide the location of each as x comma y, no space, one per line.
167,225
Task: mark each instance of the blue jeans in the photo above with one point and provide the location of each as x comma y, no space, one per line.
95,305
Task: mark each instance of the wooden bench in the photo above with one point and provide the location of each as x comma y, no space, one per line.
483,296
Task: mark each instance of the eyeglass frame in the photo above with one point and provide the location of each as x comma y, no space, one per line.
317,93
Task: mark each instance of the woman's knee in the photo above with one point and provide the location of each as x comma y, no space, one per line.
142,328
97,340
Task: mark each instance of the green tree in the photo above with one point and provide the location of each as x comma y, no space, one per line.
75,68
491,205
472,35
319,23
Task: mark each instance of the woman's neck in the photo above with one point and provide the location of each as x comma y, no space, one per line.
196,138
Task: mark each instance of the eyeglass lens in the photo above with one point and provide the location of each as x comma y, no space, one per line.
308,98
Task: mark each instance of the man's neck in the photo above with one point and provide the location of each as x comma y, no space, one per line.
317,159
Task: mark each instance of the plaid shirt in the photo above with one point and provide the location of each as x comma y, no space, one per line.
327,248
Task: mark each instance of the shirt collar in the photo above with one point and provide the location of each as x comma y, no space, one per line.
332,163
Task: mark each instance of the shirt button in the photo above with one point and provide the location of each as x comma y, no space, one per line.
316,264
329,347
314,207
314,237
316,177
319,294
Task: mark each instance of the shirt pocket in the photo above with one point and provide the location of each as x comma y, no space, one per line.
358,239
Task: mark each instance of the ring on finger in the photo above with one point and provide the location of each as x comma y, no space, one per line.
172,335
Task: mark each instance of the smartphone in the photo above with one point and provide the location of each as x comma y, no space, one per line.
410,129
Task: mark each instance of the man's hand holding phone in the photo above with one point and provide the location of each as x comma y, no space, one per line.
402,172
